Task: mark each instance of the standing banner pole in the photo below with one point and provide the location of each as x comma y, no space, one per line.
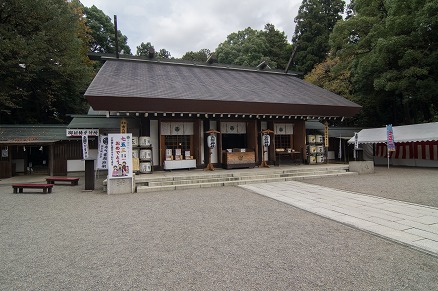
390,143
387,154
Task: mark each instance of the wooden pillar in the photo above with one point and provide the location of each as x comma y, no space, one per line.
206,126
89,174
51,159
260,147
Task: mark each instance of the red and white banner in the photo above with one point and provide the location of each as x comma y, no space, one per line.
417,150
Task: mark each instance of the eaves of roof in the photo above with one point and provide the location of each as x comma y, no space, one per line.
32,134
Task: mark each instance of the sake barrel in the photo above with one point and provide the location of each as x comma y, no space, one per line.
319,139
311,159
144,141
145,154
319,149
135,153
320,159
311,150
135,141
310,139
145,167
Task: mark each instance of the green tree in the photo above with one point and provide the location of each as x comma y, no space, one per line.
314,23
279,49
199,56
163,54
334,74
250,47
43,66
143,49
394,48
103,39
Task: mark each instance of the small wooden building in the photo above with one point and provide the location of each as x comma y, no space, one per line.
42,149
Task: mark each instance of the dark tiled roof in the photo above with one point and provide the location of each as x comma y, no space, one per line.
126,84
28,134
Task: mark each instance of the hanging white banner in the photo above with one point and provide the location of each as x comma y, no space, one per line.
85,149
340,148
119,155
102,153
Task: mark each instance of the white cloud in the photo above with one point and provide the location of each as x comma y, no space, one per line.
191,25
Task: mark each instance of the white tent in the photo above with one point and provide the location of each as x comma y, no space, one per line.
416,145
405,133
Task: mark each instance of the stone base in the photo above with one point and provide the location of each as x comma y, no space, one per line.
362,167
120,186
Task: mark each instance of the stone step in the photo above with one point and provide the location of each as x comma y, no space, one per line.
230,182
188,181
145,178
213,179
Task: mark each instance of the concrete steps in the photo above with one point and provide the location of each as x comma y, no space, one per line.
196,179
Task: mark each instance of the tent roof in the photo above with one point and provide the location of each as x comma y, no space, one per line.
405,133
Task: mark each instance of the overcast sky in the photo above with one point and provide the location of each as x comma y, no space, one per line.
180,26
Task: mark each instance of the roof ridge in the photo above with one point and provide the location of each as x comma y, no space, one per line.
202,65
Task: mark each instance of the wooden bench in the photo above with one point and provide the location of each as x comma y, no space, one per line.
47,188
72,180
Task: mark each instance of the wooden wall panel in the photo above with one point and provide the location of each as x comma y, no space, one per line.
300,137
5,169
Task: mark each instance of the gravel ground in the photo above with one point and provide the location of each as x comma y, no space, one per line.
203,239
415,185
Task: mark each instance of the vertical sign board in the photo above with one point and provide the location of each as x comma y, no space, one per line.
102,154
390,138
85,149
340,148
390,145
123,126
120,155
326,135
356,144
356,140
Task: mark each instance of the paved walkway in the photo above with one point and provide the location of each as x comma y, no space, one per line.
410,224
